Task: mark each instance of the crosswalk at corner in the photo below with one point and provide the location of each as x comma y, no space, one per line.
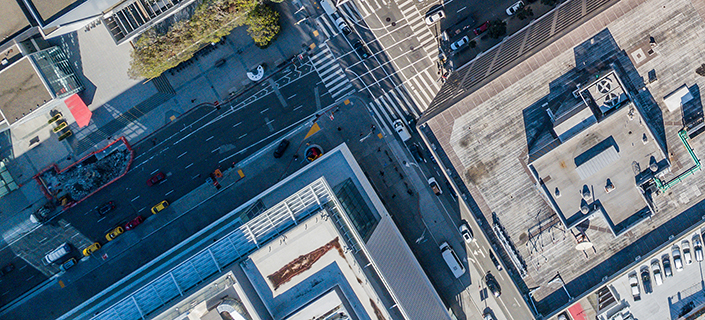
416,21
326,26
330,72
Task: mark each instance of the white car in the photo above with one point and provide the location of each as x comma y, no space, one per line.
686,252
435,17
656,270
460,43
634,283
698,248
514,8
466,233
400,128
677,262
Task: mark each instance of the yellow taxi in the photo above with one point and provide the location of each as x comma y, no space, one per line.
160,206
92,248
114,233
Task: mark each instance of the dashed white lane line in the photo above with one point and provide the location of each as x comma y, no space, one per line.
265,110
181,155
168,193
461,9
210,138
135,198
155,171
142,209
242,136
293,96
189,165
237,124
299,107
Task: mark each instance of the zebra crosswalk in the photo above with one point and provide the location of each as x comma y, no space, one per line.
423,34
330,72
326,26
393,104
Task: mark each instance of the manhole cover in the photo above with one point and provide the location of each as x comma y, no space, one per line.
411,48
388,19
394,24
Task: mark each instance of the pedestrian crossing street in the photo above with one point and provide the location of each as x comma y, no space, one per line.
330,72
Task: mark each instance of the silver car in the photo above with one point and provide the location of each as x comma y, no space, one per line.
698,248
686,252
677,262
656,270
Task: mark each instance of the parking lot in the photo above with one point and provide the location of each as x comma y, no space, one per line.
678,293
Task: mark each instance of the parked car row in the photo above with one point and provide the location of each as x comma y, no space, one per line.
661,269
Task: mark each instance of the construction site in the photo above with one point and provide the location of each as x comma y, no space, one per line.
73,184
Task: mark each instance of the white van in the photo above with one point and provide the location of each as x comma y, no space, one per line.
452,260
58,253
337,19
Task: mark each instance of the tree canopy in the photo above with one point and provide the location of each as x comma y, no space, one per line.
155,52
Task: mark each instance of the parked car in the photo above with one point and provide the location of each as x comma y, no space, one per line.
114,233
434,186
160,206
361,50
646,280
279,151
634,284
492,284
488,316
92,248
666,266
68,264
134,222
686,252
400,128
416,152
455,46
156,179
514,8
676,253
105,208
466,232
656,269
698,248
482,28
7,269
495,261
435,17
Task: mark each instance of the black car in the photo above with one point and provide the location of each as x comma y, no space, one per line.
105,208
492,284
279,151
646,280
361,50
416,152
7,269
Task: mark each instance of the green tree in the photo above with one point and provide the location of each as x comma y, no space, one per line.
263,25
155,52
497,29
525,12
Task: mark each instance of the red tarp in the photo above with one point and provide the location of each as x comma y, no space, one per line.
576,311
79,110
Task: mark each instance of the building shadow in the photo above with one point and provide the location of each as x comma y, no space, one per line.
69,44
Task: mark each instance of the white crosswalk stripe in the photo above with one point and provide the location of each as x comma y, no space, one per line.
331,74
326,26
350,12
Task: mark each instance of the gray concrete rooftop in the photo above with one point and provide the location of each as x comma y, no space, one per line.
13,19
489,133
557,168
22,90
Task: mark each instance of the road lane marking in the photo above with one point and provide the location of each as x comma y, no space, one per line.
299,107
209,139
293,96
216,149
189,165
263,111
242,136
461,9
135,198
155,171
181,155
168,193
104,217
140,210
237,124
196,176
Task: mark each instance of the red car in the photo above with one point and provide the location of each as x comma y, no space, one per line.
482,28
135,222
156,178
